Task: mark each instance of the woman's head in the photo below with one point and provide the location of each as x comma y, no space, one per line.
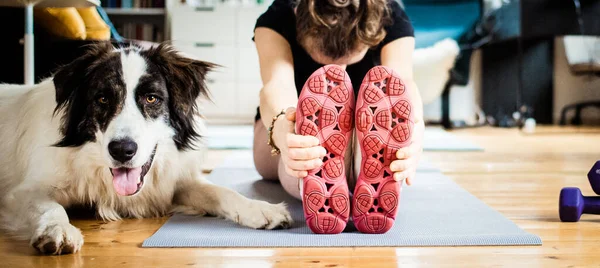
340,31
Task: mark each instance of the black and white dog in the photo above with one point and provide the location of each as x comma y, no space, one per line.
116,129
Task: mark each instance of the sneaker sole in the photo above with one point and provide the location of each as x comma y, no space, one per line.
326,111
383,125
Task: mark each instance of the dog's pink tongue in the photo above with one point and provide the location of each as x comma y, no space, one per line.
126,180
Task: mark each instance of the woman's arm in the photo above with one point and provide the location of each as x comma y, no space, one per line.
277,73
398,55
298,153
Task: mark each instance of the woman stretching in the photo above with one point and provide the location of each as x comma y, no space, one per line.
315,57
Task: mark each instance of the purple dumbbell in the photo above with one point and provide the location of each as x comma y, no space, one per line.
573,204
594,177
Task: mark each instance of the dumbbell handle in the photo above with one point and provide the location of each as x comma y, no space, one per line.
591,205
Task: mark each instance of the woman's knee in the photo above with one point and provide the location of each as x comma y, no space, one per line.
265,163
289,183
267,172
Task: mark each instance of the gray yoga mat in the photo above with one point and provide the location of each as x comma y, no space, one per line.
435,211
243,159
241,137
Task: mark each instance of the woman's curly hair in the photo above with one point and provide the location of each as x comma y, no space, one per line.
338,27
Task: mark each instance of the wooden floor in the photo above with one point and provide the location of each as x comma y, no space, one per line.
519,175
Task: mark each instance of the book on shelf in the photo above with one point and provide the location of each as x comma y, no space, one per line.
133,3
140,31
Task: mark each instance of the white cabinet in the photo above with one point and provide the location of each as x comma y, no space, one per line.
221,104
248,68
248,98
222,35
203,24
246,19
224,56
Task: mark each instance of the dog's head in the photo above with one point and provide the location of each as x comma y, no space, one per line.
128,100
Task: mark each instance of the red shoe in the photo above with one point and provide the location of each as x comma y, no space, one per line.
383,125
325,110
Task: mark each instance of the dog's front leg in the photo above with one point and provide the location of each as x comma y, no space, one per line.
42,220
200,195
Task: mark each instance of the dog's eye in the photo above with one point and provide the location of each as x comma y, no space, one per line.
102,100
151,99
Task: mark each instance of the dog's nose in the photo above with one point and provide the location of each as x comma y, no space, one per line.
122,150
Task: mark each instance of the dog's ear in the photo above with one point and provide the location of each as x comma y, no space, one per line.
69,77
185,79
68,81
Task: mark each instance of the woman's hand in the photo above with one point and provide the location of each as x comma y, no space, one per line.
299,154
408,158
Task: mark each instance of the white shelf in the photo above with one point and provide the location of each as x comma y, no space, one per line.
135,11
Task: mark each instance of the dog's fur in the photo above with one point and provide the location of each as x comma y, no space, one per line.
54,140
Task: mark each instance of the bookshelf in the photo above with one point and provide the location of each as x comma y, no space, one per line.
135,11
138,19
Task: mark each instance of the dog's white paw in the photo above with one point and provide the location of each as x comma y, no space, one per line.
57,239
263,215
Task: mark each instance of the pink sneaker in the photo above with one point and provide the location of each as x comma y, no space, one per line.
383,125
326,111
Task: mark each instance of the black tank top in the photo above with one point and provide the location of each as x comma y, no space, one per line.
281,18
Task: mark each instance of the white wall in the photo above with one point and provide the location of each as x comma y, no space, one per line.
569,88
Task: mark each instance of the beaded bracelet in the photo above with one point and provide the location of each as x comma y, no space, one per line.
274,150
